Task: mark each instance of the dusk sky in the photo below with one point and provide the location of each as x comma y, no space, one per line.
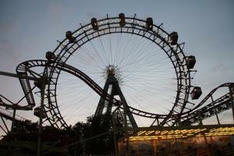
28,29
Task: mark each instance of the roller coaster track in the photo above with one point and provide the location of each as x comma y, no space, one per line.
18,120
24,68
219,105
9,116
205,110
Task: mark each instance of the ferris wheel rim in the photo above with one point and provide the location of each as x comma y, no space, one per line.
133,26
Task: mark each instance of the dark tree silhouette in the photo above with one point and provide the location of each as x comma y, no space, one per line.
96,135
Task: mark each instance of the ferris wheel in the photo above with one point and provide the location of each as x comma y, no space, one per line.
147,64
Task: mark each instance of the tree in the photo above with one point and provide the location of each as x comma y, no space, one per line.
96,135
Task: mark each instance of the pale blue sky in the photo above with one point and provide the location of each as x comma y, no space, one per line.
28,29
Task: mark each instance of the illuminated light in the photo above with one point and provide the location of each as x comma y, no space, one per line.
203,129
149,23
189,130
50,56
94,23
122,20
190,134
135,138
171,132
173,38
190,61
70,37
145,135
157,132
196,93
231,133
140,132
208,134
164,132
184,131
177,131
149,132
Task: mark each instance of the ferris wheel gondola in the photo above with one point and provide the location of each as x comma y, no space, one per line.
149,66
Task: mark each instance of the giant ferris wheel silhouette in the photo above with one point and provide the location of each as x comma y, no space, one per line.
114,63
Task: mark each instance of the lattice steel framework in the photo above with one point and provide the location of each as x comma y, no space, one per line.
96,29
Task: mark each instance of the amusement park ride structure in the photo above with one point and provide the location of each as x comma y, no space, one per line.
183,112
